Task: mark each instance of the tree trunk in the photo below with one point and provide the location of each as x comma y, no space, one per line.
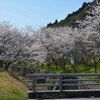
95,66
1,64
7,66
56,66
64,68
84,62
48,66
75,68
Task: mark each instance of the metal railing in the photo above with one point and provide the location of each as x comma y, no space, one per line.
60,80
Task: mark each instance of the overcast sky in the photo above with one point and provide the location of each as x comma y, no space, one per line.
37,13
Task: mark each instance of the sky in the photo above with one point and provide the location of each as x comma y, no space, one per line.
37,13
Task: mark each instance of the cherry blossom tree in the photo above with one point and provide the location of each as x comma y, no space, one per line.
14,45
88,38
55,43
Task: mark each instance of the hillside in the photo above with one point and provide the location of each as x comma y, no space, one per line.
10,88
70,19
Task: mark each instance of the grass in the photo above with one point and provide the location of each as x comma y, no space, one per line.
10,88
88,68
25,64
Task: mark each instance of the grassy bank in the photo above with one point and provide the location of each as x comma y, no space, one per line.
10,88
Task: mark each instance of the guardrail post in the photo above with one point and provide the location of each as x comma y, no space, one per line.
34,85
60,84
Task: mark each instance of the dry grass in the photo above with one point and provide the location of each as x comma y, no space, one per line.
11,89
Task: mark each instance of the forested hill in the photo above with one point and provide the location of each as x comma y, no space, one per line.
71,18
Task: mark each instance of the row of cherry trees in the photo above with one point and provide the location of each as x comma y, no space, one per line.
53,45
59,45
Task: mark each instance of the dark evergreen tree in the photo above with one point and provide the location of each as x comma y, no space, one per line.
84,4
49,25
56,21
